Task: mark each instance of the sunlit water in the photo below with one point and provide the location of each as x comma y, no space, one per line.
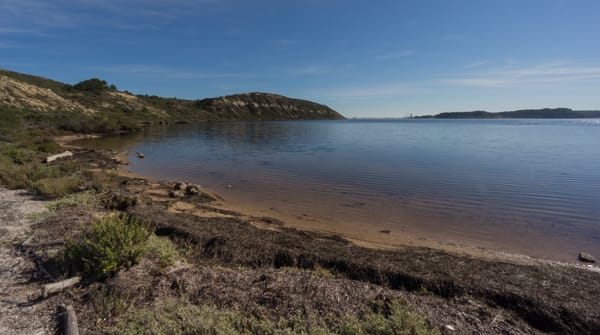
529,186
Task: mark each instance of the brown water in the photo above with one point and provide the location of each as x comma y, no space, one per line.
524,186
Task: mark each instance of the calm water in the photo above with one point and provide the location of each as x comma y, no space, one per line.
530,186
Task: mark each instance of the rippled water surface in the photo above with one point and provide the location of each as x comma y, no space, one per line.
529,186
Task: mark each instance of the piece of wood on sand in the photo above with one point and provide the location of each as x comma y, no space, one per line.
69,320
59,286
52,158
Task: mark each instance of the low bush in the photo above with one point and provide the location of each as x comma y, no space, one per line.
53,188
84,199
162,250
111,244
9,118
107,303
101,180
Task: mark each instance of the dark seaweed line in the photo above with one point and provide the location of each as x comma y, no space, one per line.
216,246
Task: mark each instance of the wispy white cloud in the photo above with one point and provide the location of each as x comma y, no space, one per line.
155,71
9,31
394,55
33,13
545,73
284,42
69,13
307,70
476,64
9,45
378,90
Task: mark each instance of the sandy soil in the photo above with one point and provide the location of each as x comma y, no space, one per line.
20,311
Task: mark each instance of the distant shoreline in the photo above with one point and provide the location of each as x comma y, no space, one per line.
544,113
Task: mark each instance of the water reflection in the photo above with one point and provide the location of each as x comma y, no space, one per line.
495,180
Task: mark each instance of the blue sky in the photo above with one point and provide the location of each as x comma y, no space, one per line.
362,58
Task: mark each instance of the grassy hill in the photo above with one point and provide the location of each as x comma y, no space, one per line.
95,106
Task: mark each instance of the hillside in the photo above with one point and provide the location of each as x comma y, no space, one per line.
95,106
544,113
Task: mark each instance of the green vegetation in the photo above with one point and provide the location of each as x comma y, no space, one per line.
111,244
85,199
56,187
94,85
107,303
101,180
100,108
21,167
177,317
161,250
9,117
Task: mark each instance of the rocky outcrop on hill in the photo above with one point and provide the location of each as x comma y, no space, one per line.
266,106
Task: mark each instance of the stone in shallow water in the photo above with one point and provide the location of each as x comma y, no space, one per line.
191,189
585,257
180,185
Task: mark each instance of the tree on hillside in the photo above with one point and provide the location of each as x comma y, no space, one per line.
94,85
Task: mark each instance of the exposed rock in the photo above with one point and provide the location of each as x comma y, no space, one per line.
266,106
585,257
176,194
52,158
140,155
180,186
191,189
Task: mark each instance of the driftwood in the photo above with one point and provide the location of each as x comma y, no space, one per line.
69,320
52,158
59,286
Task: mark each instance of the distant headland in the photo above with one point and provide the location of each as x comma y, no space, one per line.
543,113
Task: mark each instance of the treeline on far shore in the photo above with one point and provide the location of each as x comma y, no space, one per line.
544,113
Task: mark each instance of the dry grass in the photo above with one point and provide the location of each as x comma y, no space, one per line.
180,317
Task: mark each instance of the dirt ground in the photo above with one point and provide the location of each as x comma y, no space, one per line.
19,285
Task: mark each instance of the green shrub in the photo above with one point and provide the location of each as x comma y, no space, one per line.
86,199
101,180
93,85
401,320
53,188
9,118
162,250
46,144
107,303
107,246
13,176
